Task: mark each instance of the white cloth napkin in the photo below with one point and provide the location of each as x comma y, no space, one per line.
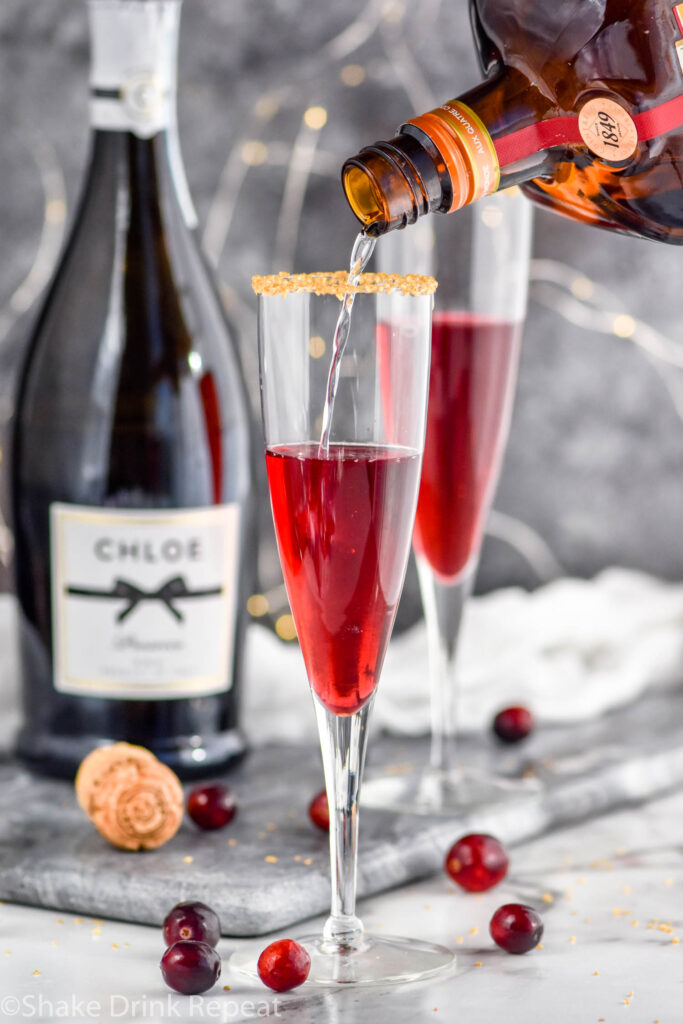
568,651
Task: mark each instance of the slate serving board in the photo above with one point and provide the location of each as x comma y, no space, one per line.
51,856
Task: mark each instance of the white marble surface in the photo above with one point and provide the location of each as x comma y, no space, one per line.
612,881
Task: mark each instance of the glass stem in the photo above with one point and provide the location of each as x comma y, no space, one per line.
443,604
343,742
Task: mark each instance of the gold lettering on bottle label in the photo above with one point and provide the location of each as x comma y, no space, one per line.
608,130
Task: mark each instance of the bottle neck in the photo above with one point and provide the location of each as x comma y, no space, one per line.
444,159
133,85
133,81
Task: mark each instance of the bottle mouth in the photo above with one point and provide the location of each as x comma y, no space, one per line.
364,195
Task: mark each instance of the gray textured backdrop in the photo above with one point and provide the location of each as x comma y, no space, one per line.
594,470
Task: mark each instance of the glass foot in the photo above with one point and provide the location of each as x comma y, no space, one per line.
439,793
378,960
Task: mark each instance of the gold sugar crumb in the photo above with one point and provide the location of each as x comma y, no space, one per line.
586,920
596,974
297,857
232,842
188,860
54,943
459,939
473,931
336,283
97,931
634,924
270,859
580,881
479,964
8,952
428,906
60,921
226,988
126,943
308,861
78,920
547,897
540,946
572,939
36,973
675,940
626,889
115,945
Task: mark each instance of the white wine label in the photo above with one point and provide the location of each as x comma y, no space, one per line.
133,65
143,602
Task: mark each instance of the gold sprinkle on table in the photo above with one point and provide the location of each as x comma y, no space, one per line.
226,988
308,861
188,860
572,939
459,939
232,842
478,964
270,859
548,897
473,931
36,973
336,283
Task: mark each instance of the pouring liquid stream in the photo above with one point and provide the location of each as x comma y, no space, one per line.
362,250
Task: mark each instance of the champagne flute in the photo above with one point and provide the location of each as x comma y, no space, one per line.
482,261
344,510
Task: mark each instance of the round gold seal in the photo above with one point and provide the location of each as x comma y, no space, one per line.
608,130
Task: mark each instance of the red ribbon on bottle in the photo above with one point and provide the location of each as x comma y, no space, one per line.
564,131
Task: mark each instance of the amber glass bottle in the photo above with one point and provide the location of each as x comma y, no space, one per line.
582,105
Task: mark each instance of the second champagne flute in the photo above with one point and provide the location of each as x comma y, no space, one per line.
481,257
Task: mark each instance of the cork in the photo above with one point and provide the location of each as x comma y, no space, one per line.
132,799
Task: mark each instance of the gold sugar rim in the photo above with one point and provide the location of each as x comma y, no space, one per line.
336,283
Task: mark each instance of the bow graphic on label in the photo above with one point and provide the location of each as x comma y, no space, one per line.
175,589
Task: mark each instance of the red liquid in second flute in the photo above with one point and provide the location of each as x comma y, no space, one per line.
471,388
343,522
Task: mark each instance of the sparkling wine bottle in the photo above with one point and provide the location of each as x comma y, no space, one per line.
582,105
132,474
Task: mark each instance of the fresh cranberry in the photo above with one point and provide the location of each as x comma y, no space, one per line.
190,967
477,862
283,965
513,724
194,921
516,928
319,812
212,807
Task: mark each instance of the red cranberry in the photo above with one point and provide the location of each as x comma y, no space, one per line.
477,862
191,967
283,965
513,724
212,807
194,921
319,812
516,928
